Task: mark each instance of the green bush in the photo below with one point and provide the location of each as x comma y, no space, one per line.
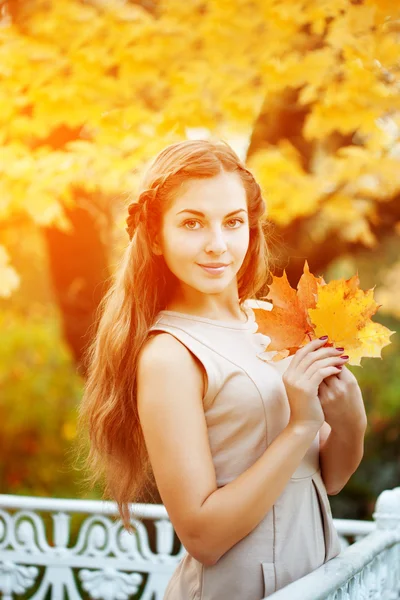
40,390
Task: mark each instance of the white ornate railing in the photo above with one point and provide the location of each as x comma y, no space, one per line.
104,560
78,549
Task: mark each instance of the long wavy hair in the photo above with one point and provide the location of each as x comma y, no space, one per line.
116,455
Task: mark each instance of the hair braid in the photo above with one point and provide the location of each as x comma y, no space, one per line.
137,210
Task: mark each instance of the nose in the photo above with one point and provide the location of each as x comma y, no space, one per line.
216,242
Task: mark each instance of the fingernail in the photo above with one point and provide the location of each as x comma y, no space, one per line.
339,366
340,349
344,356
324,337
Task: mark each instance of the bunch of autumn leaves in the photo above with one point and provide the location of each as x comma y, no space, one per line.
339,309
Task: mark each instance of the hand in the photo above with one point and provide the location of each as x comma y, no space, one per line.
309,366
341,400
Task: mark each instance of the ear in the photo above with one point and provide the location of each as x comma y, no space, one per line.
156,247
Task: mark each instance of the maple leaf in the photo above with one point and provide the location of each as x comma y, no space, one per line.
339,309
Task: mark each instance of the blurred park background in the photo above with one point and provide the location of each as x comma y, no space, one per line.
308,94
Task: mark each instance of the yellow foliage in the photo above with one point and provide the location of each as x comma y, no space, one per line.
8,276
389,292
281,178
352,216
90,91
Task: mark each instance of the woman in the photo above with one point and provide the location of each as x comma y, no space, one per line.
177,394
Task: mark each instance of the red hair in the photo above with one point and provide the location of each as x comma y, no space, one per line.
142,285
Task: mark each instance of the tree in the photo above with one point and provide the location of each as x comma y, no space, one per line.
91,90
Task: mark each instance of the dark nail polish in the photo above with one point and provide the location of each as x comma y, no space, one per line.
340,349
324,337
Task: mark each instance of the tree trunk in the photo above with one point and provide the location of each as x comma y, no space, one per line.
79,269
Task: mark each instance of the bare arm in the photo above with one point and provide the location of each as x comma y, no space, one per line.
258,489
341,451
170,391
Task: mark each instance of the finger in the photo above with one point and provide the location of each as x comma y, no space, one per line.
322,390
347,376
316,357
328,390
304,350
320,364
321,374
330,381
323,385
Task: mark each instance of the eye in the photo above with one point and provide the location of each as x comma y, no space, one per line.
236,219
196,221
190,221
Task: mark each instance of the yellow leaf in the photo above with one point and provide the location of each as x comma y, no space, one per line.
343,312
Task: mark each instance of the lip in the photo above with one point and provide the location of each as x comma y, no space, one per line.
211,265
214,271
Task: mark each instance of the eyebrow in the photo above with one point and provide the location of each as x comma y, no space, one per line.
200,214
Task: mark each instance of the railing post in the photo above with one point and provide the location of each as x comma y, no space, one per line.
387,509
387,517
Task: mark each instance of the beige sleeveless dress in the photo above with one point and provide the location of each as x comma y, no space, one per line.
246,407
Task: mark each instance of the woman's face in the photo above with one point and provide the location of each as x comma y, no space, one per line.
219,235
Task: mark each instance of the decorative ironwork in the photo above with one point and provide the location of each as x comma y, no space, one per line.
103,559
43,548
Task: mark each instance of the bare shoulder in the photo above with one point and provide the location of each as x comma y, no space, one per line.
163,351
161,344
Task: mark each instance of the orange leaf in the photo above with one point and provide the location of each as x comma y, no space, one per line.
288,324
